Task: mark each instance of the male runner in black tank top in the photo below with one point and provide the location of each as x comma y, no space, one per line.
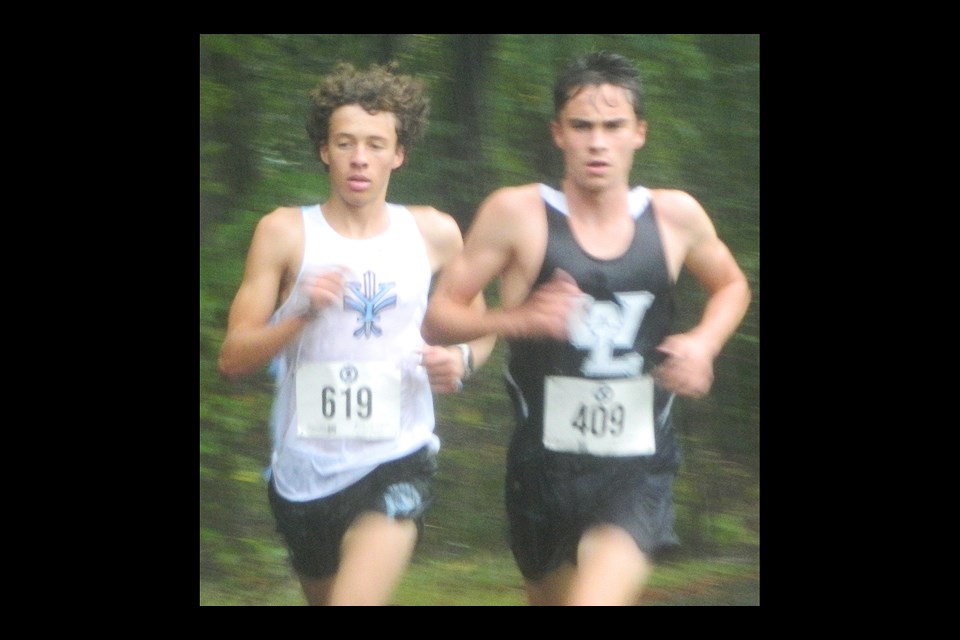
586,276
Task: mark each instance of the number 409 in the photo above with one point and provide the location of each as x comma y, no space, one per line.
599,420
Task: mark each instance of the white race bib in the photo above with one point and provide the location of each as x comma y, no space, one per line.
348,400
599,417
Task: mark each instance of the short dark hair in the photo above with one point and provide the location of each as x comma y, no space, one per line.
595,69
377,89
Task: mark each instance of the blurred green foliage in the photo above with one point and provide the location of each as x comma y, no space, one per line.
491,102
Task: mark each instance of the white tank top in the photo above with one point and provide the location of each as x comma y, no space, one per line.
388,281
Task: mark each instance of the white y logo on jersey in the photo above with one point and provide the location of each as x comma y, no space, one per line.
607,326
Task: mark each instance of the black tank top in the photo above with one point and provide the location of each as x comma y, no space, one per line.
642,269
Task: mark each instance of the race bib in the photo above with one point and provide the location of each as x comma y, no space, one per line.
599,417
348,400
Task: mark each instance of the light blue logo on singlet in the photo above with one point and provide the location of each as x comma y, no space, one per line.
369,299
609,325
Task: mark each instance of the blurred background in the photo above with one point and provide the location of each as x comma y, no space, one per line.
490,107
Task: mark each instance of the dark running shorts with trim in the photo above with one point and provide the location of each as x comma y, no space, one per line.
312,530
551,502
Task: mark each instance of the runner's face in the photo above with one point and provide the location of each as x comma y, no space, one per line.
598,133
361,152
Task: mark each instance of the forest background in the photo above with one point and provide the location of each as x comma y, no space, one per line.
490,107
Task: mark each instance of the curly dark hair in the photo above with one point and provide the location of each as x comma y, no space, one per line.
594,69
377,89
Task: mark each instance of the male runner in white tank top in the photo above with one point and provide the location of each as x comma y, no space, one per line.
593,454
334,295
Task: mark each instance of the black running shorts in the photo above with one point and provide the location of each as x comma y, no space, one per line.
552,500
313,530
